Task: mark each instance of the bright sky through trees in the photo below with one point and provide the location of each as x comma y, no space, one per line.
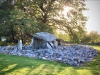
67,10
93,23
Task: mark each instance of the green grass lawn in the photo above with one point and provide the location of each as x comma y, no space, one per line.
15,65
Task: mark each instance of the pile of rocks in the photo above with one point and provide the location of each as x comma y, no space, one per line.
72,54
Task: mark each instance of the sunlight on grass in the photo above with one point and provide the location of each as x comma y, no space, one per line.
1,58
21,71
9,67
36,70
68,71
84,72
97,48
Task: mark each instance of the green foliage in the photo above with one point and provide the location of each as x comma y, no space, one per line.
95,37
3,43
31,16
86,39
92,37
60,35
77,24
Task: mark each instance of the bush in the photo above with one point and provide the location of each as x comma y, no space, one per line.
3,43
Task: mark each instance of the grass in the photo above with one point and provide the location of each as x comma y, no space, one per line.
15,65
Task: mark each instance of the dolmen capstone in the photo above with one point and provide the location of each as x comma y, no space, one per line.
43,40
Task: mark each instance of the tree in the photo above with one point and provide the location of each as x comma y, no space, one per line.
48,12
30,16
95,37
5,9
86,39
92,37
74,24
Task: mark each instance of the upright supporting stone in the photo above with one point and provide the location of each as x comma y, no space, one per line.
20,44
55,44
48,46
31,44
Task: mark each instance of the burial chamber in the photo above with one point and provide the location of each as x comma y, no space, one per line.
43,40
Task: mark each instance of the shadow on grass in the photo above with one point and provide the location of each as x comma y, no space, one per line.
18,65
11,65
95,65
15,65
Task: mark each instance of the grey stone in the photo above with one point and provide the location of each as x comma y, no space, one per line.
20,44
48,46
45,36
44,58
43,40
72,54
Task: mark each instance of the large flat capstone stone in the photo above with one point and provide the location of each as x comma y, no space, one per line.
45,36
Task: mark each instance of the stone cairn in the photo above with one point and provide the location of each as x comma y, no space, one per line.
44,46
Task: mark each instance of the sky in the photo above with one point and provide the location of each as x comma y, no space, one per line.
93,23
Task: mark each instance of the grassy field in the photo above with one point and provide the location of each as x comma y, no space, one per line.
15,65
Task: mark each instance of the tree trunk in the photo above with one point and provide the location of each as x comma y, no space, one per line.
13,36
